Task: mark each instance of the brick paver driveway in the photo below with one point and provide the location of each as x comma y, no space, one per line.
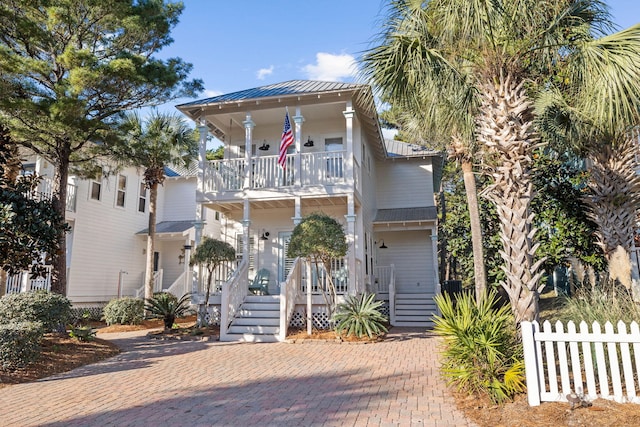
171,383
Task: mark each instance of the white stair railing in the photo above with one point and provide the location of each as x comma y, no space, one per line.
289,291
157,284
180,286
233,293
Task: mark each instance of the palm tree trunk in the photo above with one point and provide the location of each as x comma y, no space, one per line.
479,271
151,240
461,152
504,127
614,198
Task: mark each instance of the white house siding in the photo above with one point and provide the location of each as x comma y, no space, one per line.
104,243
179,199
404,183
411,253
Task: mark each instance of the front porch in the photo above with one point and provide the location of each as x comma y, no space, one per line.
245,316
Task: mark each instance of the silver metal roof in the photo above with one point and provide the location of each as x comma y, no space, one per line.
428,213
291,87
170,227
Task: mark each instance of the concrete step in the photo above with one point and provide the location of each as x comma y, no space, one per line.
413,324
256,321
253,329
249,337
258,312
261,306
262,299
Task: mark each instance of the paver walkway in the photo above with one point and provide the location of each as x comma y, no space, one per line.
172,383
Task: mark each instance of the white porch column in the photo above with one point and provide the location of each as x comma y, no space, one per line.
351,244
436,275
203,131
298,119
188,274
297,215
248,138
348,161
246,223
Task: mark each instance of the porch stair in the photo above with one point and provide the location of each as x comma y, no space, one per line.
415,310
258,319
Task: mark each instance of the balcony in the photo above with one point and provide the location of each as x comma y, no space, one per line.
45,192
316,169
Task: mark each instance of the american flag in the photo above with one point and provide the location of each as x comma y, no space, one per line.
285,141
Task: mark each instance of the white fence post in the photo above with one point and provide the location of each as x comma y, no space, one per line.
530,363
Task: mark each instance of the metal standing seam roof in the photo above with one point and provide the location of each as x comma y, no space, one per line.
291,87
175,171
170,227
428,213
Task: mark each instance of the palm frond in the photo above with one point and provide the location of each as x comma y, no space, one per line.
607,75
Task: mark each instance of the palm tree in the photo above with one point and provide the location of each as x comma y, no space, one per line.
471,68
159,141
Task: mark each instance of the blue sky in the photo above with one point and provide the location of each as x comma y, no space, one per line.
240,44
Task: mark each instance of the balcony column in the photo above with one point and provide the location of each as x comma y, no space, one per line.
298,119
351,245
297,213
246,223
348,161
248,138
203,131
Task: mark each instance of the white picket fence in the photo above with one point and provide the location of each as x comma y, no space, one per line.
592,364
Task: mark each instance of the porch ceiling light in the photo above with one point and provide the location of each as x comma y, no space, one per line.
265,235
264,146
383,246
309,142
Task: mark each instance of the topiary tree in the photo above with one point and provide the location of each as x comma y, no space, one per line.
209,254
320,239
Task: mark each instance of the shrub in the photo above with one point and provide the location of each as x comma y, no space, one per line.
19,344
124,311
168,307
604,303
481,352
359,315
50,309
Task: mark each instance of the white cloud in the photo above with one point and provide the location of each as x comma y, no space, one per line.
331,67
264,72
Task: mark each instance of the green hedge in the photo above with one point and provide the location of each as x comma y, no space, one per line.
124,311
19,344
50,309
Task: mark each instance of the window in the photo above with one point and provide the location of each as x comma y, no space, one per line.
96,187
121,191
142,198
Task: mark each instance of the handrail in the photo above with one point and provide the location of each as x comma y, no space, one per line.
392,295
157,284
289,291
178,284
233,293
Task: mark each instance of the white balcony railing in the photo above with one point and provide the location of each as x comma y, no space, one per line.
45,192
325,168
23,282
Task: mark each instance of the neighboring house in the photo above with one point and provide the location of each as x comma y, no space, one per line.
107,242
382,193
